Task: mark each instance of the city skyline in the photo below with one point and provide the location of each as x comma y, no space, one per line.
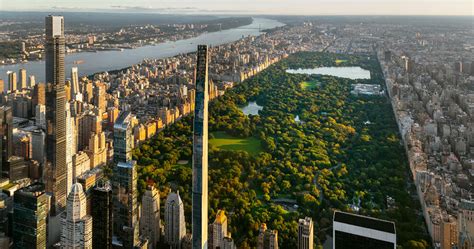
243,7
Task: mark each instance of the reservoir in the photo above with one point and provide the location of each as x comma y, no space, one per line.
353,73
111,60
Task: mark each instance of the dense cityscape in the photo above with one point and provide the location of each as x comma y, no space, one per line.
318,132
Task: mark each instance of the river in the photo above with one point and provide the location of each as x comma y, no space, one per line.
101,61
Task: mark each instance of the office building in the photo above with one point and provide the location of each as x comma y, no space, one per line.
6,134
219,230
76,224
175,226
102,215
55,112
362,232
305,233
30,211
17,168
150,216
200,152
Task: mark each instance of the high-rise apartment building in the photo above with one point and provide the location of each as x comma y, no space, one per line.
102,215
76,224
150,216
124,186
74,82
30,211
219,230
267,239
39,94
305,233
99,97
125,204
12,81
55,112
22,83
123,137
175,226
32,81
200,152
362,232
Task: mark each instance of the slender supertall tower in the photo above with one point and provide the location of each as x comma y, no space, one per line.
200,202
55,112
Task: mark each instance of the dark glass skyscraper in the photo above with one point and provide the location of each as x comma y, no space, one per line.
200,148
56,112
124,185
102,216
6,129
30,210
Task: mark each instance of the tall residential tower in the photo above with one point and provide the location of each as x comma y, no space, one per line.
200,198
55,112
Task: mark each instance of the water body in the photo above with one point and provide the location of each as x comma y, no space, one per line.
251,108
110,60
353,73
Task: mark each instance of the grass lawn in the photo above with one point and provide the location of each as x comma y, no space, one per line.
308,85
340,61
224,141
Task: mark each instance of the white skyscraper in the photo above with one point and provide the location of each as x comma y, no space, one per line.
175,226
150,216
70,146
76,224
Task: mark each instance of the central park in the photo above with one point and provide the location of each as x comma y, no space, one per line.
313,143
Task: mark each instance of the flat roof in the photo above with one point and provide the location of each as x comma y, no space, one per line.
364,221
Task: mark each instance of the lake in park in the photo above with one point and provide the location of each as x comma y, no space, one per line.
353,73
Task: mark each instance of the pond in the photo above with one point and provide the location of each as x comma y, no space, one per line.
251,108
353,73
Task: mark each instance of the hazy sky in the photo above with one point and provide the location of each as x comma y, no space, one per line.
294,7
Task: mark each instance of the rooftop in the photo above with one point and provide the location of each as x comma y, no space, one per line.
364,221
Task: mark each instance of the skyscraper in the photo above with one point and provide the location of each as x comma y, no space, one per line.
305,233
124,185
123,138
175,226
22,82
200,148
6,135
74,82
150,216
30,210
76,224
55,112
102,216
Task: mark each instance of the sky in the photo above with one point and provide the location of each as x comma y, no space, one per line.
289,7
